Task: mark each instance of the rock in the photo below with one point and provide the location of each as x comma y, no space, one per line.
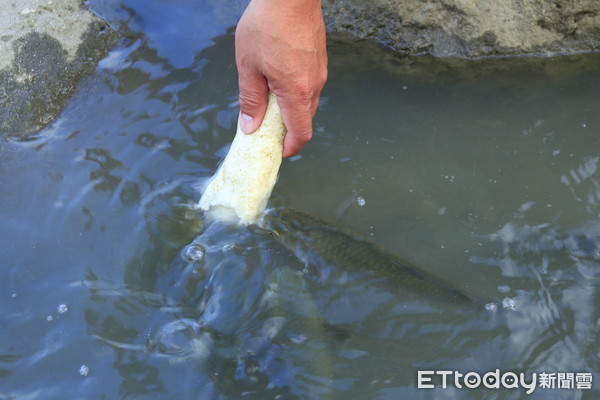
469,28
46,46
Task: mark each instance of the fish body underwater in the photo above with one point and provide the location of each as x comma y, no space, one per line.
305,234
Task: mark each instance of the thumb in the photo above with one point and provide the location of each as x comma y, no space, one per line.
254,94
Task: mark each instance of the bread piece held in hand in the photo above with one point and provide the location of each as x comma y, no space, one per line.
240,189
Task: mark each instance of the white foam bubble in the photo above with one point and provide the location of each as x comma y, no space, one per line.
84,370
193,253
509,304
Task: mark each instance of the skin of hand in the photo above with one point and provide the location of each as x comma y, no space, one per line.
280,47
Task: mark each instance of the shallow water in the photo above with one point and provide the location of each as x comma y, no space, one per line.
114,287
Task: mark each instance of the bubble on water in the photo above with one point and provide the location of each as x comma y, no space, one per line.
491,307
228,247
442,211
361,201
84,370
62,308
49,318
193,253
509,304
14,295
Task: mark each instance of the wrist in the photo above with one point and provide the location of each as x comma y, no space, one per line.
295,5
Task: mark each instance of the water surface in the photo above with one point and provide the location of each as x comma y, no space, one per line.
113,286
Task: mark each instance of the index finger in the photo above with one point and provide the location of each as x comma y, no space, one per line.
297,117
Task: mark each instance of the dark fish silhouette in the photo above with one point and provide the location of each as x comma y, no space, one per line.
306,234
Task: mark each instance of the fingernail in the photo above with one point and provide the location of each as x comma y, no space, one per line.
246,123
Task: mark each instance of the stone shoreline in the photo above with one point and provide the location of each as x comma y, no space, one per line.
46,46
471,29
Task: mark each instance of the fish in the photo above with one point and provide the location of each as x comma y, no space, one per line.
305,234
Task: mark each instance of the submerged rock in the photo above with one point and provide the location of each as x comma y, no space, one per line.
344,50
46,47
462,28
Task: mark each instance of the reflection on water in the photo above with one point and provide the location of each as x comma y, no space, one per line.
114,287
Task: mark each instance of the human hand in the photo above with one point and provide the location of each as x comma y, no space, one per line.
280,47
